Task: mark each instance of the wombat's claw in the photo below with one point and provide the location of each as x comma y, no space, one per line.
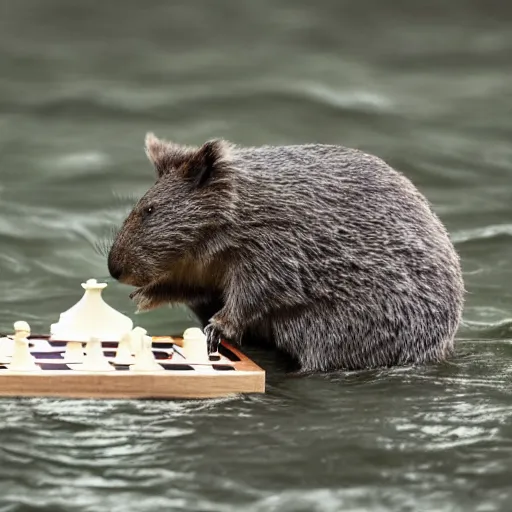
143,302
140,300
213,338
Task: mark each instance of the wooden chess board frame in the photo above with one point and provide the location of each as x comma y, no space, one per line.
246,378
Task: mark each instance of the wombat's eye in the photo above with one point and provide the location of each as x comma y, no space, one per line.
147,211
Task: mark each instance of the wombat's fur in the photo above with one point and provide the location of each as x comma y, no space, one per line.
325,251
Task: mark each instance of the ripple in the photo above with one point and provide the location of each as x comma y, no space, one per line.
500,329
306,95
84,162
482,233
339,98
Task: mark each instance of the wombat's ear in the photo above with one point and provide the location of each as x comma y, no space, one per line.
207,162
156,151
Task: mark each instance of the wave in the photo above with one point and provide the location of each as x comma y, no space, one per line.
482,233
157,104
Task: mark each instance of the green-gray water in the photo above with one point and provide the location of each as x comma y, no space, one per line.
427,86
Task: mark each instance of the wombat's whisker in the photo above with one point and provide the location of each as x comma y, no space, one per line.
103,245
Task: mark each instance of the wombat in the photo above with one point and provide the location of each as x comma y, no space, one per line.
324,251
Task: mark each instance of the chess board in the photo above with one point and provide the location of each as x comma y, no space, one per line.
230,372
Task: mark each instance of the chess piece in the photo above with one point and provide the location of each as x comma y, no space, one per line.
136,337
144,358
6,349
74,352
195,346
95,360
22,360
91,317
124,350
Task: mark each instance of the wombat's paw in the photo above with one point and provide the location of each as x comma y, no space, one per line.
213,337
219,328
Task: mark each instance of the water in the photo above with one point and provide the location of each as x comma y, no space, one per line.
427,87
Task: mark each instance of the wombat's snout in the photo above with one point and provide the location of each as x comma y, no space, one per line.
114,269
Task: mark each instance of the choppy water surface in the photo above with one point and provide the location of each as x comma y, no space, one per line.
427,87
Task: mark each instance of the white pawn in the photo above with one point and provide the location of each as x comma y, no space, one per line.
124,350
144,358
194,345
135,339
95,360
74,352
136,336
6,349
22,360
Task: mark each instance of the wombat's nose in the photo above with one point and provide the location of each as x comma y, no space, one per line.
115,270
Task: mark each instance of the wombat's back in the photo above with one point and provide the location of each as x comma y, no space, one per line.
374,276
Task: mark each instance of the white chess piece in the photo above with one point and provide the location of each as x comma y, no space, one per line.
95,360
74,352
124,350
136,337
90,317
194,345
6,349
144,358
22,360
